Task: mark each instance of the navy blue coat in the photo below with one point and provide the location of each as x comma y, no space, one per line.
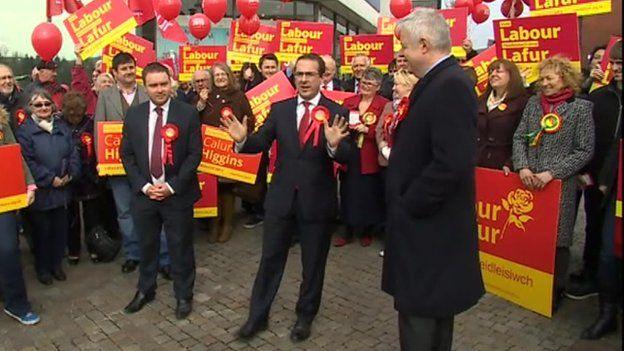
49,155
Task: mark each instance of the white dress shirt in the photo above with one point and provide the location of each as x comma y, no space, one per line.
436,63
329,86
128,96
150,141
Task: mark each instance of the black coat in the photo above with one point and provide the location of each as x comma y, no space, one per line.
348,85
606,113
187,151
387,86
309,169
12,103
431,263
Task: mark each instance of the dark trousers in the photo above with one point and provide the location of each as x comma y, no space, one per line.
49,235
562,262
594,217
425,334
610,267
314,240
149,219
12,285
91,216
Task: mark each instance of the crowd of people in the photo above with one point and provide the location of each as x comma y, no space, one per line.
403,172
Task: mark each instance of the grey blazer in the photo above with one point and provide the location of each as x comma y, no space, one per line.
109,107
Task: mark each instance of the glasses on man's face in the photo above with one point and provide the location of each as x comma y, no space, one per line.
306,74
42,104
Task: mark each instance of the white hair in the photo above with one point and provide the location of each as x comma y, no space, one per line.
368,62
428,24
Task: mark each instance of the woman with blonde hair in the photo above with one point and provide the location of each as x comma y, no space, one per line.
554,140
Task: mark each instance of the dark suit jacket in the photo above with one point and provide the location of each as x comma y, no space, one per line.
337,84
187,151
431,263
309,169
348,85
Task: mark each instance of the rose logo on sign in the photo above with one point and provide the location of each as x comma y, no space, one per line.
519,204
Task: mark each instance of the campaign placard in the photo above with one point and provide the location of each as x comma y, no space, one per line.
13,190
98,24
141,49
296,38
387,25
109,136
457,20
481,63
577,7
517,231
274,89
245,48
206,206
337,96
605,64
195,58
378,48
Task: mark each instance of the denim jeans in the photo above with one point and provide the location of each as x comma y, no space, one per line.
130,240
11,277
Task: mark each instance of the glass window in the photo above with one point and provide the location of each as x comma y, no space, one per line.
304,11
327,16
273,9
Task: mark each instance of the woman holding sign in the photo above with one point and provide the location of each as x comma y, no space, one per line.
226,99
500,110
554,140
54,161
361,191
12,287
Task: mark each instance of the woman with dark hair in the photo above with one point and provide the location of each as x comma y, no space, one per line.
12,286
361,189
592,72
500,110
225,98
555,140
250,76
54,161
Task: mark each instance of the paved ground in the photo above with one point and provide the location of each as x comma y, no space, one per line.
84,313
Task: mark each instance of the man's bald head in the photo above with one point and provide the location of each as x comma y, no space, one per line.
330,69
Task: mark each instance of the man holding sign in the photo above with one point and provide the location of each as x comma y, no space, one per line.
310,130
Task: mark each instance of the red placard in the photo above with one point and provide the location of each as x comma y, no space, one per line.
194,58
577,7
245,48
528,41
296,38
109,136
386,25
605,64
143,10
274,89
457,19
337,96
141,49
13,189
481,63
517,230
379,48
206,206
98,24
219,158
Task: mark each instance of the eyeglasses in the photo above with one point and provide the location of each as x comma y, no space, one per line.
369,84
42,104
304,74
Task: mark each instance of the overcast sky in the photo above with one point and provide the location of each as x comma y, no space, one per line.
18,20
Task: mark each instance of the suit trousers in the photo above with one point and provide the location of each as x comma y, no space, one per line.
278,235
425,334
49,235
150,218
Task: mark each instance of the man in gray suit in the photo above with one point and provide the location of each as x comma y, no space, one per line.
112,105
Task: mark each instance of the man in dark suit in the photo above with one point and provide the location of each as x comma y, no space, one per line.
160,150
359,64
431,263
330,82
302,192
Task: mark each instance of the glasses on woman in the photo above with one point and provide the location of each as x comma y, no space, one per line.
42,104
369,83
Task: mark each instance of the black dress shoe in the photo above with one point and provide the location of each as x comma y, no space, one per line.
138,302
183,308
251,328
45,279
301,330
59,275
73,260
129,266
165,272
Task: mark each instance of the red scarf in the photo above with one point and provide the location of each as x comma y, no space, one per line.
391,123
550,103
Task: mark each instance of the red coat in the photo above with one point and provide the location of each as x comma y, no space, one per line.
80,83
369,151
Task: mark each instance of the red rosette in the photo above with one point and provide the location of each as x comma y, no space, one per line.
319,114
87,140
169,133
20,116
226,112
402,109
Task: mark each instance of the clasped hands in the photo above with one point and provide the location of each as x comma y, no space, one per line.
158,192
535,181
60,182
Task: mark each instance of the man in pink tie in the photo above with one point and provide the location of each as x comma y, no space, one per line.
160,150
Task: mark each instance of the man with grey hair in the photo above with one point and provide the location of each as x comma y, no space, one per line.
10,96
201,89
431,263
359,64
330,82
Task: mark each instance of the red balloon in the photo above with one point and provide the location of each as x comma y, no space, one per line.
47,40
480,13
169,9
506,8
199,25
465,3
214,9
248,8
527,2
400,8
476,2
249,26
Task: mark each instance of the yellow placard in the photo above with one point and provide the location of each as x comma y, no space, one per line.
13,203
205,212
583,9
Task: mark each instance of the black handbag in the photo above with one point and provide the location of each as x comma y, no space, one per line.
100,243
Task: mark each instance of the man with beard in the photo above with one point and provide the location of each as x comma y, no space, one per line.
112,105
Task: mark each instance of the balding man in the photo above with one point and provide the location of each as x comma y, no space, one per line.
330,82
359,64
10,97
201,84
